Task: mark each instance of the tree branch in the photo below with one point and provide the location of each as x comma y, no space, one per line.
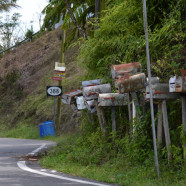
74,19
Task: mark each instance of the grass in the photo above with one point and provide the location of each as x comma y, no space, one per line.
23,130
71,158
116,170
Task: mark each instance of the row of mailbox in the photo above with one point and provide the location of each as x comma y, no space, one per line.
127,78
85,99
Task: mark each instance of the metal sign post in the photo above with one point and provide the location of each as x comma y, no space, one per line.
54,111
150,86
54,91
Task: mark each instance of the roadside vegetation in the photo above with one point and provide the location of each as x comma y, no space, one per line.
125,157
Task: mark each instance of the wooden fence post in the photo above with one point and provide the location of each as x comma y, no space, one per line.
160,121
101,118
166,129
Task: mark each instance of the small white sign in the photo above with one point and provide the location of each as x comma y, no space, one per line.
54,90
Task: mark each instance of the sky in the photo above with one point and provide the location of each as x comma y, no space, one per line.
30,11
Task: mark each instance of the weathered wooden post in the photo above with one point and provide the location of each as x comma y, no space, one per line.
129,107
166,129
112,100
92,93
160,122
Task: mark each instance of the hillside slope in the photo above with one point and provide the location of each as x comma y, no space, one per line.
25,73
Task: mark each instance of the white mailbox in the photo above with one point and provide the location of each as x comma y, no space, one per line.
177,84
80,103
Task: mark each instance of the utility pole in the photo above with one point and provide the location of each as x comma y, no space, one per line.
150,85
58,120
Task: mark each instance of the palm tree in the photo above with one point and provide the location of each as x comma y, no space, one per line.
5,5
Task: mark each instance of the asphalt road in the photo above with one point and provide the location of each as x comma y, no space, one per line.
15,171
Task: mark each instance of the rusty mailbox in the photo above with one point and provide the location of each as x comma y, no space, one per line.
91,82
160,91
130,83
92,92
119,71
112,99
178,83
69,97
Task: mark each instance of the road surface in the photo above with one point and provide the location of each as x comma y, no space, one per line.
16,171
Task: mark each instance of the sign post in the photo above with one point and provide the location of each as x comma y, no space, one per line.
54,91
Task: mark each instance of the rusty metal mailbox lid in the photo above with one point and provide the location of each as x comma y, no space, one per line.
112,99
131,83
118,71
92,92
67,98
91,82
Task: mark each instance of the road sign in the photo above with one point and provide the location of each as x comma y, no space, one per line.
54,90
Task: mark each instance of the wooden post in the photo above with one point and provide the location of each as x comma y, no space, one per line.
101,118
60,84
184,123
129,107
160,122
136,104
113,120
166,129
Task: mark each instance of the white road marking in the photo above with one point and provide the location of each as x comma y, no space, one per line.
53,171
37,150
43,170
22,165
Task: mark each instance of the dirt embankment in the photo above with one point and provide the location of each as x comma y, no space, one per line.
25,73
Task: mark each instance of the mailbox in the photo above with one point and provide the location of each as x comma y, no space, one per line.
112,99
159,88
92,92
130,83
91,82
154,80
161,91
69,97
178,83
80,103
90,105
118,71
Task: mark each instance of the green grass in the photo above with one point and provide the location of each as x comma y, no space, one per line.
69,157
114,170
23,130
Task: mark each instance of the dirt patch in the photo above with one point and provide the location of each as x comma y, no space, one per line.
33,62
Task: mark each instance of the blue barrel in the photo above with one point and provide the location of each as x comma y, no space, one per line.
47,129
41,130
